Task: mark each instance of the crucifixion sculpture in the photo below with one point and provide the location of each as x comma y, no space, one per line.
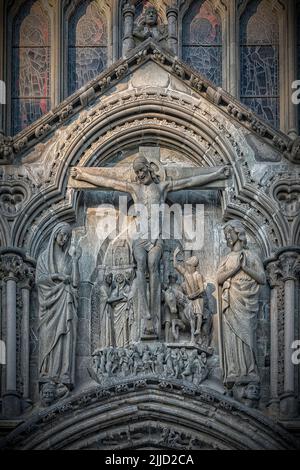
146,191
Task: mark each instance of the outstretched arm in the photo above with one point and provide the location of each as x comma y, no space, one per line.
199,180
81,174
176,265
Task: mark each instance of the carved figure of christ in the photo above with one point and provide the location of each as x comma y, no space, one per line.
148,190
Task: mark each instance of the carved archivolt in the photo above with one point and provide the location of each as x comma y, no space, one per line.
210,140
210,410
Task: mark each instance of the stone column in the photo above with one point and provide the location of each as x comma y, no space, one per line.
172,16
289,263
273,280
26,286
231,71
11,268
128,17
288,69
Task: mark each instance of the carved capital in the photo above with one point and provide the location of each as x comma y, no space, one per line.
273,273
11,267
289,265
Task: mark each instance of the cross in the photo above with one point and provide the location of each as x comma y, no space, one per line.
148,182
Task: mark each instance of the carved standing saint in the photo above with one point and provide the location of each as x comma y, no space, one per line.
240,276
147,250
57,279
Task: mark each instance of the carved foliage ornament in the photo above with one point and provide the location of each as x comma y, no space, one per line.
13,266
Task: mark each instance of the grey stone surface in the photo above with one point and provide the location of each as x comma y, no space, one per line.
151,104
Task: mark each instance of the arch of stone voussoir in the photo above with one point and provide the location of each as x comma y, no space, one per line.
94,416
174,120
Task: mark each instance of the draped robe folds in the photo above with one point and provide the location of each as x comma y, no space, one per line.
239,315
57,314
121,315
107,334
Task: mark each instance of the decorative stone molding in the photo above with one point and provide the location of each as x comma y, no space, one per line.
289,263
208,407
273,273
150,50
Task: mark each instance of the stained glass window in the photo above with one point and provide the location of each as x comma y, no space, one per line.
259,52
30,65
87,43
202,41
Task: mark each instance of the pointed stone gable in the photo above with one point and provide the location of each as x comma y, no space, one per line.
167,68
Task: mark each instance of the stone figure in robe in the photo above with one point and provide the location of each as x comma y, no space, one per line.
240,276
106,321
121,310
147,246
57,279
149,27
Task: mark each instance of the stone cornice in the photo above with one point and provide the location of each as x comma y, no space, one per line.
149,50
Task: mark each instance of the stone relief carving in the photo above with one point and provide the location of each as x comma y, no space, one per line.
148,189
156,359
240,276
145,27
57,279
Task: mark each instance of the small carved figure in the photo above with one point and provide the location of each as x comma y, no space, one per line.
147,360
247,393
107,336
48,394
149,27
193,288
120,307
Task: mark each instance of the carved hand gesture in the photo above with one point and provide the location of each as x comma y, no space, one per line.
76,173
224,172
76,253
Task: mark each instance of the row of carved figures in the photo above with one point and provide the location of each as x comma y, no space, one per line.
141,359
239,276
